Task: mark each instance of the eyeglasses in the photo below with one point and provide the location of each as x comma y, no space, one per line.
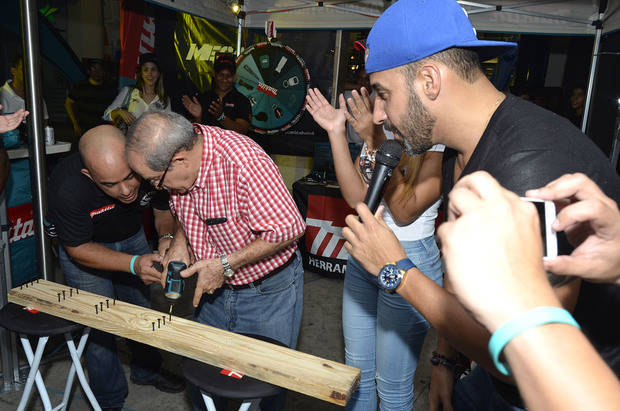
160,184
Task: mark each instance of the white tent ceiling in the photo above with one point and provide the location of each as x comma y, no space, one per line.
517,16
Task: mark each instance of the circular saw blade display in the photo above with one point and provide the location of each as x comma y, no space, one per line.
275,80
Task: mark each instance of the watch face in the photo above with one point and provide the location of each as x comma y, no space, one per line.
229,273
390,277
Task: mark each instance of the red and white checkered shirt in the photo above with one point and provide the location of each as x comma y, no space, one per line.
239,181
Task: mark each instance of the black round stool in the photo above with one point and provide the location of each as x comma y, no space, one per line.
218,382
18,319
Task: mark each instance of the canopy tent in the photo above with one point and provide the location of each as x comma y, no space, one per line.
576,17
572,17
558,17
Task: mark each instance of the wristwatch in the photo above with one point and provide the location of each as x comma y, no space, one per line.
392,274
228,270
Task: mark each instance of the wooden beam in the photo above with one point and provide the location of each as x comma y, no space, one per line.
294,370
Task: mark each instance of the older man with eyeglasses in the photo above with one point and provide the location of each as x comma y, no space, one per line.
239,218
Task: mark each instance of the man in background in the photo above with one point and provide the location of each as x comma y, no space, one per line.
12,92
223,107
88,99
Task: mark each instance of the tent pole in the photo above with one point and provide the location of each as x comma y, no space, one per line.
240,24
32,71
337,48
239,29
593,66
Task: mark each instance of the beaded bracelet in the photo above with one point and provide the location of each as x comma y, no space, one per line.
438,359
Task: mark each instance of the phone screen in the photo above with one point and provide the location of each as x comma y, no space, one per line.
540,208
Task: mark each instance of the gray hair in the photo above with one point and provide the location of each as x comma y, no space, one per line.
159,135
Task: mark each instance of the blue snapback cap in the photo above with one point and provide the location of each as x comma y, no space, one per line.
410,30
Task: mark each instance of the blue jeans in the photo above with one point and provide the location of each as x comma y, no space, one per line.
475,392
272,309
105,372
383,333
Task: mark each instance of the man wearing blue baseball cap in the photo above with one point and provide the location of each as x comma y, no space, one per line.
423,58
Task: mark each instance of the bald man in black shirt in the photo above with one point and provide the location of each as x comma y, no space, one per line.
96,204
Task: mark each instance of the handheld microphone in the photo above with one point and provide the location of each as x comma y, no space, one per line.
386,159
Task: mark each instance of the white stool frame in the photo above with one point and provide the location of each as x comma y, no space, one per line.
34,359
247,405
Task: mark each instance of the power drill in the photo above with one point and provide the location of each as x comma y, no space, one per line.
174,283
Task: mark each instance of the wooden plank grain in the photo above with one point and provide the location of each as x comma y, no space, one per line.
317,377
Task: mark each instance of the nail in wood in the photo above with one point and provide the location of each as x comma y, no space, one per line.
164,319
58,297
96,309
63,294
70,292
107,303
158,322
77,291
153,325
101,304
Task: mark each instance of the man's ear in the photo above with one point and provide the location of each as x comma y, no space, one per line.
429,77
87,173
180,159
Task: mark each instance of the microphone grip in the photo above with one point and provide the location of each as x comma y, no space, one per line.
380,178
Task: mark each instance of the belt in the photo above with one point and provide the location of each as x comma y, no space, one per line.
258,282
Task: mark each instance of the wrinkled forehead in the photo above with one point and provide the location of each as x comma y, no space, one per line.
110,171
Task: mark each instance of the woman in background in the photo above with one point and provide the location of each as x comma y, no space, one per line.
148,92
383,333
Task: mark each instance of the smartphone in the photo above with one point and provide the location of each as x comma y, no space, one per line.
546,216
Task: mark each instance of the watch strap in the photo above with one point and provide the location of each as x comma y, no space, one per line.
225,263
405,264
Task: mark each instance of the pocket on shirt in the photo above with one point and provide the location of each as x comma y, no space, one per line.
224,236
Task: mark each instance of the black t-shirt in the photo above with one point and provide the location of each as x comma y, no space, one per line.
236,105
82,212
524,147
90,102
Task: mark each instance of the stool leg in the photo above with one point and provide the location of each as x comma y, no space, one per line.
76,367
71,375
250,405
208,401
34,359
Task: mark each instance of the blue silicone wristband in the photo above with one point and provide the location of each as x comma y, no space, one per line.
133,260
522,322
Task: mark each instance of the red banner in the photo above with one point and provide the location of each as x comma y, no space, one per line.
323,239
22,222
137,36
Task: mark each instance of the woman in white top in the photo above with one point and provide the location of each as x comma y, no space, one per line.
148,92
383,333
